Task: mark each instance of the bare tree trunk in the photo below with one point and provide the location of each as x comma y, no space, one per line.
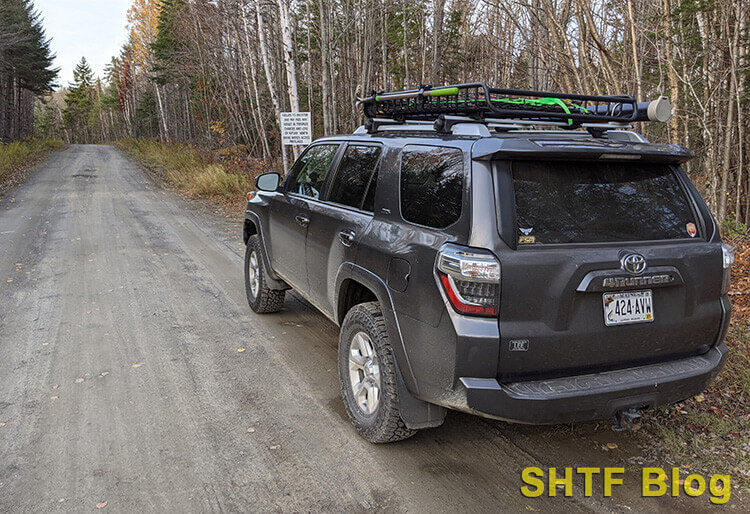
324,63
674,88
634,50
269,79
162,116
437,41
291,70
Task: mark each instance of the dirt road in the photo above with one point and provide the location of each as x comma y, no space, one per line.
133,372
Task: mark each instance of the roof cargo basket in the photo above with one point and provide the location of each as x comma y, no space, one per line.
485,104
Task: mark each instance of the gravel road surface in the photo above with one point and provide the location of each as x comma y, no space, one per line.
133,372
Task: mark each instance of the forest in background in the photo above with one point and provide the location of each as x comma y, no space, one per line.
217,73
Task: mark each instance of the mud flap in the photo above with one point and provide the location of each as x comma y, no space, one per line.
416,413
273,283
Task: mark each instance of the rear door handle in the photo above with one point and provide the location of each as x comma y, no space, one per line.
302,220
346,237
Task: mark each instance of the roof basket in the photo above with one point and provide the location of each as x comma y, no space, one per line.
479,101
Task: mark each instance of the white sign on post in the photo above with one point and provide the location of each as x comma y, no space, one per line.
296,128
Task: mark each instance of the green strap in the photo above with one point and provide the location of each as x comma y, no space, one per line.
539,102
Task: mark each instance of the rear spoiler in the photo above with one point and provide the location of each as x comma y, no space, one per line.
540,148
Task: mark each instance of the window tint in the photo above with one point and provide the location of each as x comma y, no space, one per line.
431,185
308,174
356,177
580,202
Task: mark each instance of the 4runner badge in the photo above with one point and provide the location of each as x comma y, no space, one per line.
634,263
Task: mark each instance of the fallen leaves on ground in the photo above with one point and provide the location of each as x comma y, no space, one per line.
137,365
54,397
612,446
101,505
240,350
740,292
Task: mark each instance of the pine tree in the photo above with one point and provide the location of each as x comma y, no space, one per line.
165,44
79,102
25,66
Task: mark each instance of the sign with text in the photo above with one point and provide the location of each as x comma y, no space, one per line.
296,128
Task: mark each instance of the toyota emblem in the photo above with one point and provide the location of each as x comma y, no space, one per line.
634,263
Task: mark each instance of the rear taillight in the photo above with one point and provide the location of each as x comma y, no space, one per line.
728,261
470,279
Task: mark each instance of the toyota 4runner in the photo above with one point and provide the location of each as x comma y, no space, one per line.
480,257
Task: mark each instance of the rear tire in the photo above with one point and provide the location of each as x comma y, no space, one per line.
367,372
260,297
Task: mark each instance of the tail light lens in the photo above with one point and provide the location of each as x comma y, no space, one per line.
728,261
470,279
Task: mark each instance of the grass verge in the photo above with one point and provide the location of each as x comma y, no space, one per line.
223,177
18,157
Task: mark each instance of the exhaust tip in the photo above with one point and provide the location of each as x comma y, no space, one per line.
660,110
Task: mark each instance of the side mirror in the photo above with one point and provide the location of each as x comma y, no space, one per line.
268,182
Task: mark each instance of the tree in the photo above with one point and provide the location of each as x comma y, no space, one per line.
25,67
79,103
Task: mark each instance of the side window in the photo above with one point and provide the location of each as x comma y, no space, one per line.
354,183
431,185
308,174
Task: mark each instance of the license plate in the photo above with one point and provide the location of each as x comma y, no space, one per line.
629,307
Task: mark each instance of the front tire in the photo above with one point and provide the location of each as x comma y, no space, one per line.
260,297
367,372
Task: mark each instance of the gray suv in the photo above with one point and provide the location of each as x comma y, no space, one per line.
476,262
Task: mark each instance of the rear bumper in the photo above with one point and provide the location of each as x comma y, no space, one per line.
593,396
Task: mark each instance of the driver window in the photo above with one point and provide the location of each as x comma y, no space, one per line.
308,174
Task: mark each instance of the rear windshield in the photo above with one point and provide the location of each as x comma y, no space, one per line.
586,202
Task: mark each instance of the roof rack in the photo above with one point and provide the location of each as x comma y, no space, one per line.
507,109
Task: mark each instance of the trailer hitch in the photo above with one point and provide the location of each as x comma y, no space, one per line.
627,419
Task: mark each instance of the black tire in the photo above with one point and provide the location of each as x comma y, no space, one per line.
384,425
265,299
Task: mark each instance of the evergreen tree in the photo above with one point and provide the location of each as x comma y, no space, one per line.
79,102
165,45
25,66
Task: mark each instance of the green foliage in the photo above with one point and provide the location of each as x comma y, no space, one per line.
24,49
166,44
22,153
452,55
404,22
79,102
146,116
731,228
46,122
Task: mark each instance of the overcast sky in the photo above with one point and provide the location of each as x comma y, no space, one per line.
91,28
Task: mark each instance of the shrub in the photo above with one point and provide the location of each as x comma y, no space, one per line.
188,168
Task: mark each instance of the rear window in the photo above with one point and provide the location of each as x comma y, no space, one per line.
583,202
431,185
